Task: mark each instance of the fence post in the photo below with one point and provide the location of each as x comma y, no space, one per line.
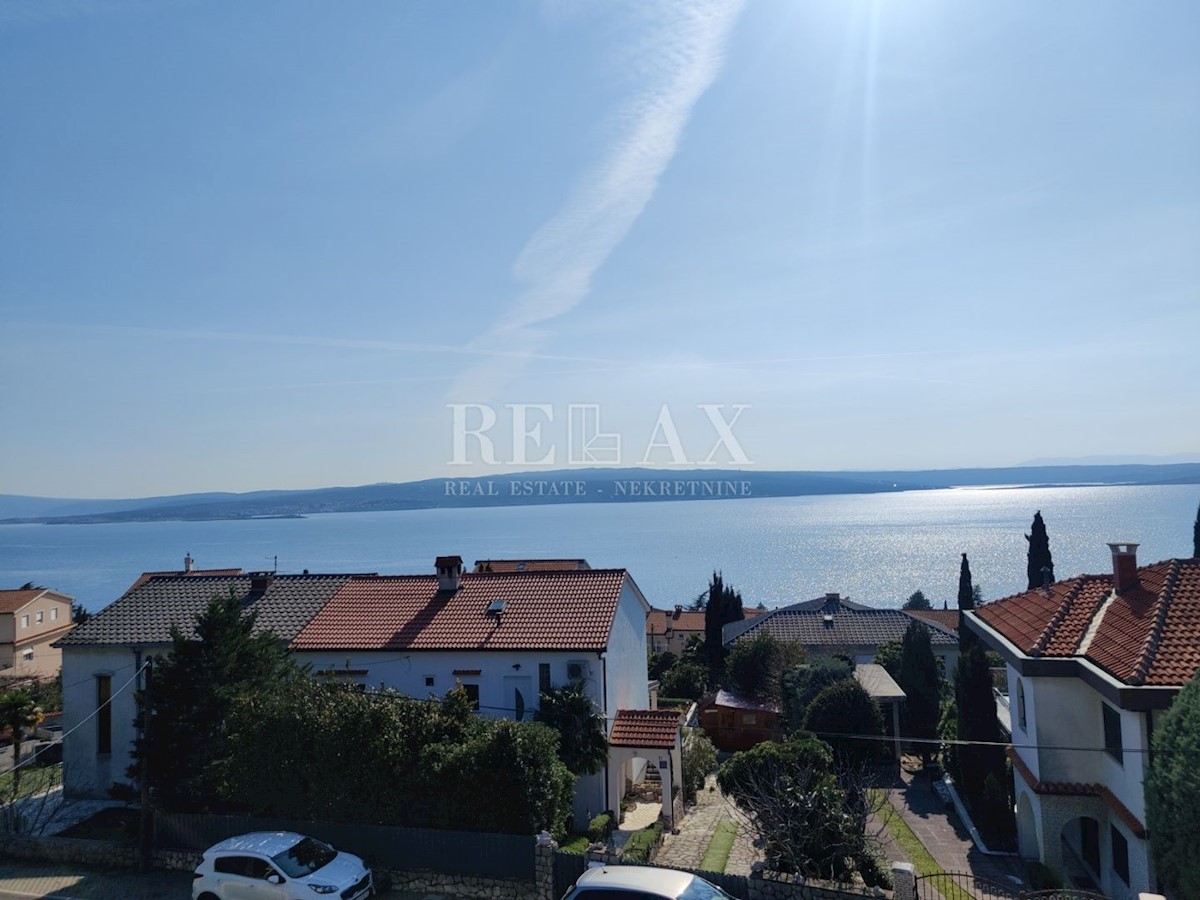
543,866
904,881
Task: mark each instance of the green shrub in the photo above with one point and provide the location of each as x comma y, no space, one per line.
641,843
1042,878
600,827
699,759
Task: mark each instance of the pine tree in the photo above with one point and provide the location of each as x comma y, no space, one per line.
1039,553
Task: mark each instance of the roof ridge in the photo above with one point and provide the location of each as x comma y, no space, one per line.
1163,604
1060,614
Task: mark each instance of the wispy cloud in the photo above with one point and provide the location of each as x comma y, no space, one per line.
681,57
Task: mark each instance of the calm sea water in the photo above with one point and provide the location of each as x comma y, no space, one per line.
876,548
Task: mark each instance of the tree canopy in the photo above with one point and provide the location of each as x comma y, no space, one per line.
966,600
917,600
1173,793
756,665
583,745
976,706
1040,565
193,692
18,711
800,684
1196,534
845,708
724,605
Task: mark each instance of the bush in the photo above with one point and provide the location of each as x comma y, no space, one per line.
1173,793
600,828
684,679
800,684
642,843
699,759
845,708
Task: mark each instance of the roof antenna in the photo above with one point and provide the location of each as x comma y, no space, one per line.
275,563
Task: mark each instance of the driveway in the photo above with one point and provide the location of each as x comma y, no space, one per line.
686,849
25,880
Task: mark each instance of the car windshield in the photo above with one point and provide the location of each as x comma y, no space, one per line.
306,857
700,889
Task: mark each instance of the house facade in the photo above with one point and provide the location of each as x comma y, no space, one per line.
1091,662
505,635
30,623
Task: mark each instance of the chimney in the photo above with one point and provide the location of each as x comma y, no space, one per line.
188,562
678,611
449,572
260,581
1124,565
833,602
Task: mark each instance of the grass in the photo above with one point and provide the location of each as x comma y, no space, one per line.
717,854
921,858
576,843
115,823
34,780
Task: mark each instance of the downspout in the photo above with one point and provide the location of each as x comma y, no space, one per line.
604,708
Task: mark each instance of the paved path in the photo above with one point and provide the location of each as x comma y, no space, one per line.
686,849
944,835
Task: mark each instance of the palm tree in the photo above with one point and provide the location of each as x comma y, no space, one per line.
582,742
18,711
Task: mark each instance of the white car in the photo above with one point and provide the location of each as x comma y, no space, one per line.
642,883
279,865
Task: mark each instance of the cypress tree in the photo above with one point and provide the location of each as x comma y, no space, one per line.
918,678
966,600
1039,552
1196,534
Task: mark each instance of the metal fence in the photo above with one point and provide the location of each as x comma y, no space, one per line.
406,849
965,886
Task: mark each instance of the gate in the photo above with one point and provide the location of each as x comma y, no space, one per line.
567,868
965,886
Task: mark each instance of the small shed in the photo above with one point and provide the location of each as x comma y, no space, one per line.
738,723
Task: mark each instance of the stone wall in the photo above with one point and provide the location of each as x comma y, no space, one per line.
469,886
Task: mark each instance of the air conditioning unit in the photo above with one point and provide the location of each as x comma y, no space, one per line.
577,670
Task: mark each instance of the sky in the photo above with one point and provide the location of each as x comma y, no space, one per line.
286,244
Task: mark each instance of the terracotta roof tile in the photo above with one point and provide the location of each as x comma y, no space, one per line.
531,565
1078,789
943,618
542,611
645,728
1149,634
11,601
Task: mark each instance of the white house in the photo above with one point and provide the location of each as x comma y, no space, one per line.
505,633
1091,661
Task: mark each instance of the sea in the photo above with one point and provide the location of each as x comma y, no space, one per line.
873,548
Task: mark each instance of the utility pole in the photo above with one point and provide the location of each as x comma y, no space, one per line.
145,818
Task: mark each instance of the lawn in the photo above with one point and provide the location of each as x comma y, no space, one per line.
921,858
717,854
34,780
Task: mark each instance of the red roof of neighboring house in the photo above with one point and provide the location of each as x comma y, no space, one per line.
660,621
945,618
645,728
531,565
216,573
11,601
540,611
1148,634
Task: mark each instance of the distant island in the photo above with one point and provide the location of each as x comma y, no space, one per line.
597,485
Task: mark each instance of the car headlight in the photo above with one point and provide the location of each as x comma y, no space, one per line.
323,888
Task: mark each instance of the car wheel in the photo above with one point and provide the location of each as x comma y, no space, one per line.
208,896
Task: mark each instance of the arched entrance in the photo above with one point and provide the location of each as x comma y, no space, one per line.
1029,842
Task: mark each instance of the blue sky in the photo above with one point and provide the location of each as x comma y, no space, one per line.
264,245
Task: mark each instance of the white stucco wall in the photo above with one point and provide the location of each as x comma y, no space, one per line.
87,773
628,679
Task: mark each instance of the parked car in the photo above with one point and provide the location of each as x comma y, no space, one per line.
279,865
642,883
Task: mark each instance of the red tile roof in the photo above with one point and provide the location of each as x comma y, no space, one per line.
1149,634
531,565
659,621
645,728
541,611
1078,789
11,601
944,618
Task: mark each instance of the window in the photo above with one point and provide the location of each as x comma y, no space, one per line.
40,617
428,681
54,614
103,714
1120,854
472,694
544,685
748,719
1021,704
28,655
1112,733
231,865
25,621
1090,840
